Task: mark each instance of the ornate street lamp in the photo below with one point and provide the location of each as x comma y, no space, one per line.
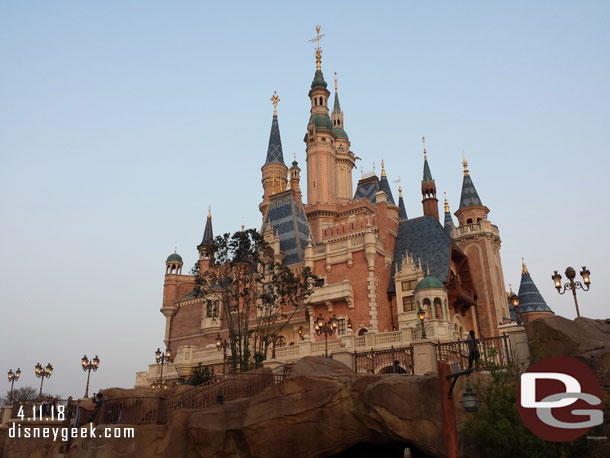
13,377
222,345
89,366
470,399
300,331
514,299
349,323
161,358
41,373
572,285
328,328
422,316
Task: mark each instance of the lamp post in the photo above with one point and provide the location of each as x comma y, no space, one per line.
422,316
573,285
41,373
470,399
328,328
13,377
89,366
160,358
514,299
222,345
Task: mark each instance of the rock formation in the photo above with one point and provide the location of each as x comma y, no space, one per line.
320,410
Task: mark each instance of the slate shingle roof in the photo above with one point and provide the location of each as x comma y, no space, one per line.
403,210
274,150
469,196
208,234
423,238
291,225
530,299
367,188
385,187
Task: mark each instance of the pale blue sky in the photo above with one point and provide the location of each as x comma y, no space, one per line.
120,122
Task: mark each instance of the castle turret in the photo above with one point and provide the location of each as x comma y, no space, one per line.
531,303
274,171
480,240
428,189
345,160
206,247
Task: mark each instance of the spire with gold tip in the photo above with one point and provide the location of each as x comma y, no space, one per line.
530,299
319,77
401,203
337,115
275,154
384,185
448,220
469,197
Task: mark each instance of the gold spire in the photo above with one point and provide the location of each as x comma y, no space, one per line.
446,204
243,221
423,139
336,87
465,163
524,268
209,211
427,269
275,99
317,39
382,169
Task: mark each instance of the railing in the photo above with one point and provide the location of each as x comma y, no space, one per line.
156,410
478,354
388,361
388,338
318,348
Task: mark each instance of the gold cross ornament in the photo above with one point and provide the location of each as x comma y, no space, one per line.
275,99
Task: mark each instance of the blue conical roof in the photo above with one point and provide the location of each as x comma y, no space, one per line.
403,209
530,299
448,221
385,187
274,150
208,235
469,196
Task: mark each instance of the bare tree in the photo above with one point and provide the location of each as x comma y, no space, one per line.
258,296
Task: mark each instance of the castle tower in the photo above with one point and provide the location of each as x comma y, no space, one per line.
321,157
428,189
345,160
480,240
274,171
206,247
173,264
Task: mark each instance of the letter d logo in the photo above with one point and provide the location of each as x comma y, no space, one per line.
555,394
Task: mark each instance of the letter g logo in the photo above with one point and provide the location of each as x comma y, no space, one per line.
546,391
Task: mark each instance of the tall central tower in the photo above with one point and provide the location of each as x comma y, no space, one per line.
321,157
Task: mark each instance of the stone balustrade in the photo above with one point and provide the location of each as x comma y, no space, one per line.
186,358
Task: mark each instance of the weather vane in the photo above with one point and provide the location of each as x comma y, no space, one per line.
317,39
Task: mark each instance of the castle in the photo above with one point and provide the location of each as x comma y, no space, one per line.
378,266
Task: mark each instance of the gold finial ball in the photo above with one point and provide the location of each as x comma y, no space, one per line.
317,29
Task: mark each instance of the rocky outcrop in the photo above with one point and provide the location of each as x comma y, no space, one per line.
583,338
320,410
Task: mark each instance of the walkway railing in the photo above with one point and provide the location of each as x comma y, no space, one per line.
480,354
156,410
389,361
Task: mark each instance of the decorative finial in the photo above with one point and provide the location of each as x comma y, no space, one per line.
275,99
524,268
446,204
382,169
373,167
427,269
336,86
423,139
176,249
465,163
399,187
510,287
243,221
209,211
317,39
294,156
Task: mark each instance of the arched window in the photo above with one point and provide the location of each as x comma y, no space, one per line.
469,221
438,308
362,331
426,307
280,341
